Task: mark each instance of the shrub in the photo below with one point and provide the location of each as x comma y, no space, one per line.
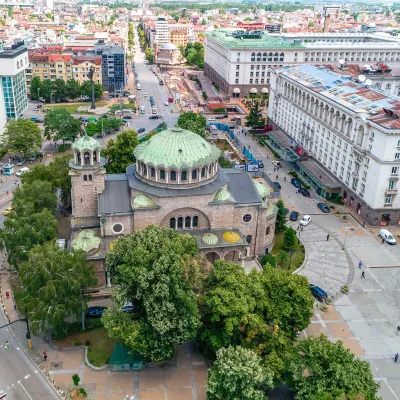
268,259
78,344
332,207
76,379
87,343
82,391
92,323
324,308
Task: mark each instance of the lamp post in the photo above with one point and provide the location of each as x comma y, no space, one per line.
345,237
28,332
38,94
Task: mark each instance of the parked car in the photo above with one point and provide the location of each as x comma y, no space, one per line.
32,157
387,236
219,117
276,164
318,293
128,307
141,130
21,162
304,192
128,117
154,117
293,216
166,103
22,171
95,312
145,94
305,220
295,182
260,164
170,100
277,185
211,119
323,207
7,211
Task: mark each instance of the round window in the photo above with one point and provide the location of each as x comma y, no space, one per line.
117,228
247,218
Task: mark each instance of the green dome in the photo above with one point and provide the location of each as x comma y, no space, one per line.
262,189
86,241
222,195
86,143
176,148
209,238
142,201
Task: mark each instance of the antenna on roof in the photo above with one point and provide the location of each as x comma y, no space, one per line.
368,82
361,78
341,61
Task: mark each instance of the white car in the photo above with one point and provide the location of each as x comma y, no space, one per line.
211,119
166,103
276,163
145,94
22,171
305,220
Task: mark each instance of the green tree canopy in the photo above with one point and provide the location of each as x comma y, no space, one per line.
72,89
86,90
280,223
237,373
52,285
255,119
193,122
194,54
149,55
119,152
23,136
34,90
46,90
289,238
59,124
59,89
148,270
319,366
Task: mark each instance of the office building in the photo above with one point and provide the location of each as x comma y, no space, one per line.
13,97
162,31
344,137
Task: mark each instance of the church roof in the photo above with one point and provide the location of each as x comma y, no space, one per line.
176,148
86,143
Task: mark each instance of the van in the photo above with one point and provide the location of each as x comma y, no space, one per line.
385,235
318,293
138,86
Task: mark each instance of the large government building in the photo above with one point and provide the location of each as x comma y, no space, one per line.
175,183
343,135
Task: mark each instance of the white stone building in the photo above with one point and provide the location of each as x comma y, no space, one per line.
346,137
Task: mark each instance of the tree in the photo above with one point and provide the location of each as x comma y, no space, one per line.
280,217
193,122
86,90
59,88
59,124
149,55
194,54
46,90
237,374
330,367
289,238
223,162
98,90
147,267
282,257
254,119
23,136
119,153
52,284
72,89
36,84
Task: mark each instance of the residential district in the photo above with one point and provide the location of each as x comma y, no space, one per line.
199,200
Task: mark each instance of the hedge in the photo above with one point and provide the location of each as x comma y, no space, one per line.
71,327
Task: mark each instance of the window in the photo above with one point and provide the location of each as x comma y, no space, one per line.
392,185
162,174
172,223
362,188
397,156
90,178
268,230
236,80
388,199
203,172
85,178
117,228
237,67
395,170
187,222
398,143
195,221
180,222
173,175
194,174
388,86
184,176
247,218
153,172
248,238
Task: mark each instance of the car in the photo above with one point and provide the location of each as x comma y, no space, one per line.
219,117
95,312
211,119
304,192
225,116
141,130
277,185
84,119
22,171
128,117
260,164
305,220
34,118
128,307
154,117
21,162
32,157
318,293
295,182
293,216
385,235
324,207
170,100
7,211
166,103
276,164
232,119
145,94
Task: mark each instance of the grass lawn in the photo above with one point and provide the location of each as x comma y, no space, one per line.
100,348
125,106
73,107
297,256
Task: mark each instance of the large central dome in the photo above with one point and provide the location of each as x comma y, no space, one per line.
177,157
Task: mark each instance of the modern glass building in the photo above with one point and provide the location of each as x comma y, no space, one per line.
14,92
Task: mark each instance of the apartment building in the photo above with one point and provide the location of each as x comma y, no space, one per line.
13,97
344,137
178,37
161,31
238,61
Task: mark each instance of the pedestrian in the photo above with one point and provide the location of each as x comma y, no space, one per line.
396,357
360,264
274,169
45,356
363,274
277,177
267,157
245,134
383,241
284,179
7,346
327,237
249,147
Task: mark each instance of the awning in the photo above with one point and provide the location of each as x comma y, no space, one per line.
253,90
236,90
264,90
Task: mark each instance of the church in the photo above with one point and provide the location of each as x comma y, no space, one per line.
175,183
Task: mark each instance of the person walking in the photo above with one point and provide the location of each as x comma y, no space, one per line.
44,356
327,237
277,177
8,347
363,274
360,264
396,357
284,179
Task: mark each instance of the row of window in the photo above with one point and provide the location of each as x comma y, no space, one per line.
174,175
184,222
267,57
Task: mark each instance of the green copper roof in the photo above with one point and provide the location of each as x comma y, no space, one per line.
86,241
142,201
262,189
224,37
86,143
209,238
222,195
176,148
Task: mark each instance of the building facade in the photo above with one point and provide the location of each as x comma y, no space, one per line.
176,183
162,31
13,96
345,134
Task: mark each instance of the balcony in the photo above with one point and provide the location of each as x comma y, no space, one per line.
391,191
355,174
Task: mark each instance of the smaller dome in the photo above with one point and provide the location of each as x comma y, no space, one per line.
86,241
168,46
86,143
142,201
231,237
262,189
209,238
222,195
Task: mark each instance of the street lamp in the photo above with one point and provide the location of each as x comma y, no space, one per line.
345,237
38,95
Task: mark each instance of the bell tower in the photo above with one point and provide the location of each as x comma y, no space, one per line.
87,176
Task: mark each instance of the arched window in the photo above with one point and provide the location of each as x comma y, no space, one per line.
172,223
276,57
194,174
258,56
172,176
195,221
180,222
187,222
264,57
281,56
253,56
153,172
90,178
144,169
203,172
248,238
78,157
210,170
184,176
268,230
87,158
162,175
85,178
